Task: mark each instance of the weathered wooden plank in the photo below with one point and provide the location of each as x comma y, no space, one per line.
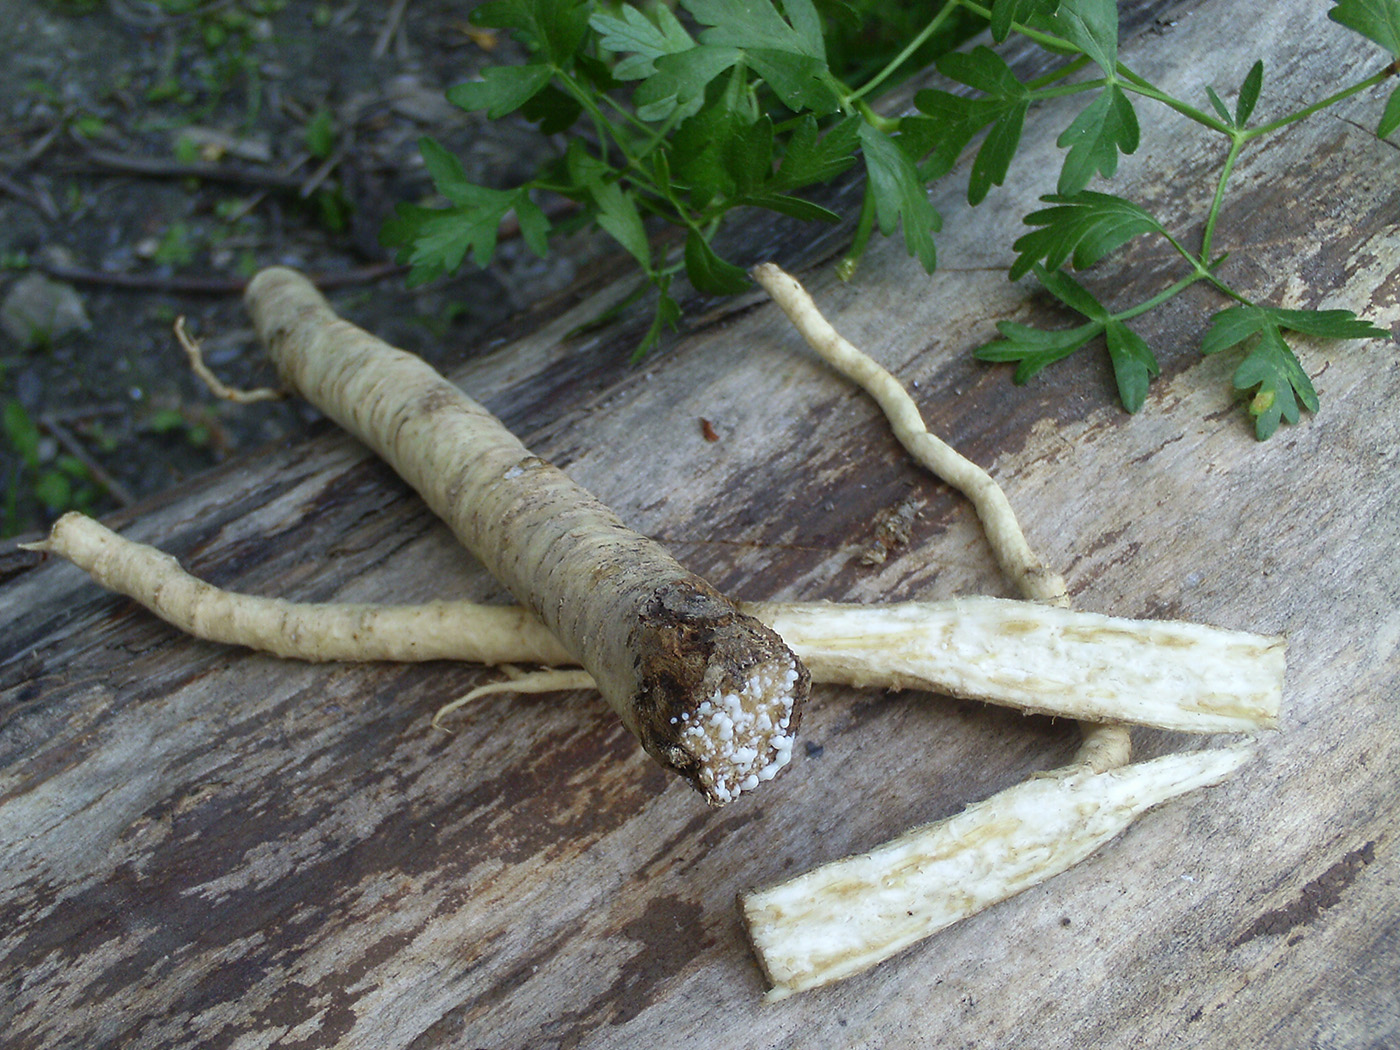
206,847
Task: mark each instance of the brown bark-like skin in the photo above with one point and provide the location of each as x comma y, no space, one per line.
659,641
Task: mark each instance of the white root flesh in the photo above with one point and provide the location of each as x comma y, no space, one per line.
709,692
1033,657
842,918
1044,659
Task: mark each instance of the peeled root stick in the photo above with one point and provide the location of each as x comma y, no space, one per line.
709,692
1026,655
844,917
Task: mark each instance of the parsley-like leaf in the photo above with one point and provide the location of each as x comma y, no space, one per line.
1004,105
667,315
812,158
1106,127
1134,364
1033,348
1376,20
677,88
1270,368
708,272
1081,229
790,54
502,89
1005,12
643,39
434,241
1249,94
1091,26
900,196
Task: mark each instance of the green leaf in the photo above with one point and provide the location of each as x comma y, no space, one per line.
502,89
757,25
1034,348
1134,364
642,39
790,54
1275,376
954,120
1376,20
1106,127
983,69
708,272
1218,105
1270,368
900,195
1390,118
787,205
677,88
553,29
619,217
723,149
448,175
1091,26
1073,294
667,315
1081,229
1249,94
811,158
998,148
1004,105
553,110
1005,12
435,241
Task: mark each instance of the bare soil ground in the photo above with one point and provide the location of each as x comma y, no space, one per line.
154,153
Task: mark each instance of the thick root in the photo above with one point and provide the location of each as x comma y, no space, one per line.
709,692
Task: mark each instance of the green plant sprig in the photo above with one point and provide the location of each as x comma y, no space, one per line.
733,104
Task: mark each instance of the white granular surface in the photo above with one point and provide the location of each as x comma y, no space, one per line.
743,738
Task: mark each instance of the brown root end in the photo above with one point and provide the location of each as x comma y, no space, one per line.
721,694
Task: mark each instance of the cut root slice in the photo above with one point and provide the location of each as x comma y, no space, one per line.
844,917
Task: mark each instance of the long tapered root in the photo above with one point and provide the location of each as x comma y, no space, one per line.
1032,577
709,692
1036,658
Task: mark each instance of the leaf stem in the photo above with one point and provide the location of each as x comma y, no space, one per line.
1163,296
865,226
924,34
1307,111
1142,86
1237,141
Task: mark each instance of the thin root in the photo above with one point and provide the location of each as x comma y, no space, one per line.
518,681
216,385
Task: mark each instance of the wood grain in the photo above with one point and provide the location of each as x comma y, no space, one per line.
205,847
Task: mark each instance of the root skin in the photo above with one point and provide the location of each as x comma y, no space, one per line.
1037,658
660,642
